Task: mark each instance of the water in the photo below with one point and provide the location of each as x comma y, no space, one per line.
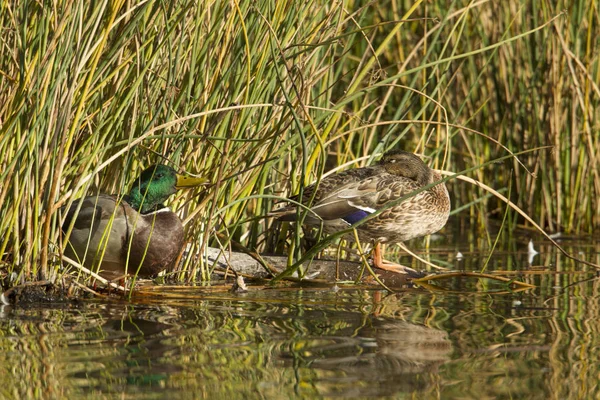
470,340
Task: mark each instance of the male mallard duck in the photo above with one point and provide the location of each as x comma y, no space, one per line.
347,197
132,234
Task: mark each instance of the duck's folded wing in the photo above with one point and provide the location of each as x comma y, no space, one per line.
334,182
88,215
93,209
100,228
350,203
358,200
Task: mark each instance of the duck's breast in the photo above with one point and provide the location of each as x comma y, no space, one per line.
156,242
423,214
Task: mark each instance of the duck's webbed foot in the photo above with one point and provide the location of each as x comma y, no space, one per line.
379,262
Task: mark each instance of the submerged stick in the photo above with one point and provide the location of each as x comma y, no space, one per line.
92,274
424,261
449,275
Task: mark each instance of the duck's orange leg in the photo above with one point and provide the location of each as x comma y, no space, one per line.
379,262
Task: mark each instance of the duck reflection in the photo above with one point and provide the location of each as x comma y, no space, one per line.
387,356
133,348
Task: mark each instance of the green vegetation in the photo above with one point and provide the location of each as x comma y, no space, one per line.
264,97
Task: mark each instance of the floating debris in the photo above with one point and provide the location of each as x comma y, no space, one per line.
239,286
531,249
312,275
531,252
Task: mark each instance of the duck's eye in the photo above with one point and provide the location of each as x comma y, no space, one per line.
159,175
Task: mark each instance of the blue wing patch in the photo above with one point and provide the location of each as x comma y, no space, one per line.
355,216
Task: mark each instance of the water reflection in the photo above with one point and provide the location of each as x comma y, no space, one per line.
305,343
316,345
381,358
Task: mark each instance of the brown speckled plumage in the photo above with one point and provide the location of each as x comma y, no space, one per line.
348,195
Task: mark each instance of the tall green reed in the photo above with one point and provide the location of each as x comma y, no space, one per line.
264,97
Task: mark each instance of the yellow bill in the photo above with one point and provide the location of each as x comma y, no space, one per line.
189,181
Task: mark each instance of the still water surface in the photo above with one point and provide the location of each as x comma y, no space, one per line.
463,342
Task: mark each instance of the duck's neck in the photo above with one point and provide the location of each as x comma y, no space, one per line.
143,205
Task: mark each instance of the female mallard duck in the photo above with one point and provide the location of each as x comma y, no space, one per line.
131,234
347,197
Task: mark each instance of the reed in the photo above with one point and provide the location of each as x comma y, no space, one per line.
265,97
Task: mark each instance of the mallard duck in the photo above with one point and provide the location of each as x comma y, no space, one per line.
129,234
347,197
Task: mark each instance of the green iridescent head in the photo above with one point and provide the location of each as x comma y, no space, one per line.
155,185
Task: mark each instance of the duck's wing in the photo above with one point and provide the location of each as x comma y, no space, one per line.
328,186
357,200
93,210
335,182
100,228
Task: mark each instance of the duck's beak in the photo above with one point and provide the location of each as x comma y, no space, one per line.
189,181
